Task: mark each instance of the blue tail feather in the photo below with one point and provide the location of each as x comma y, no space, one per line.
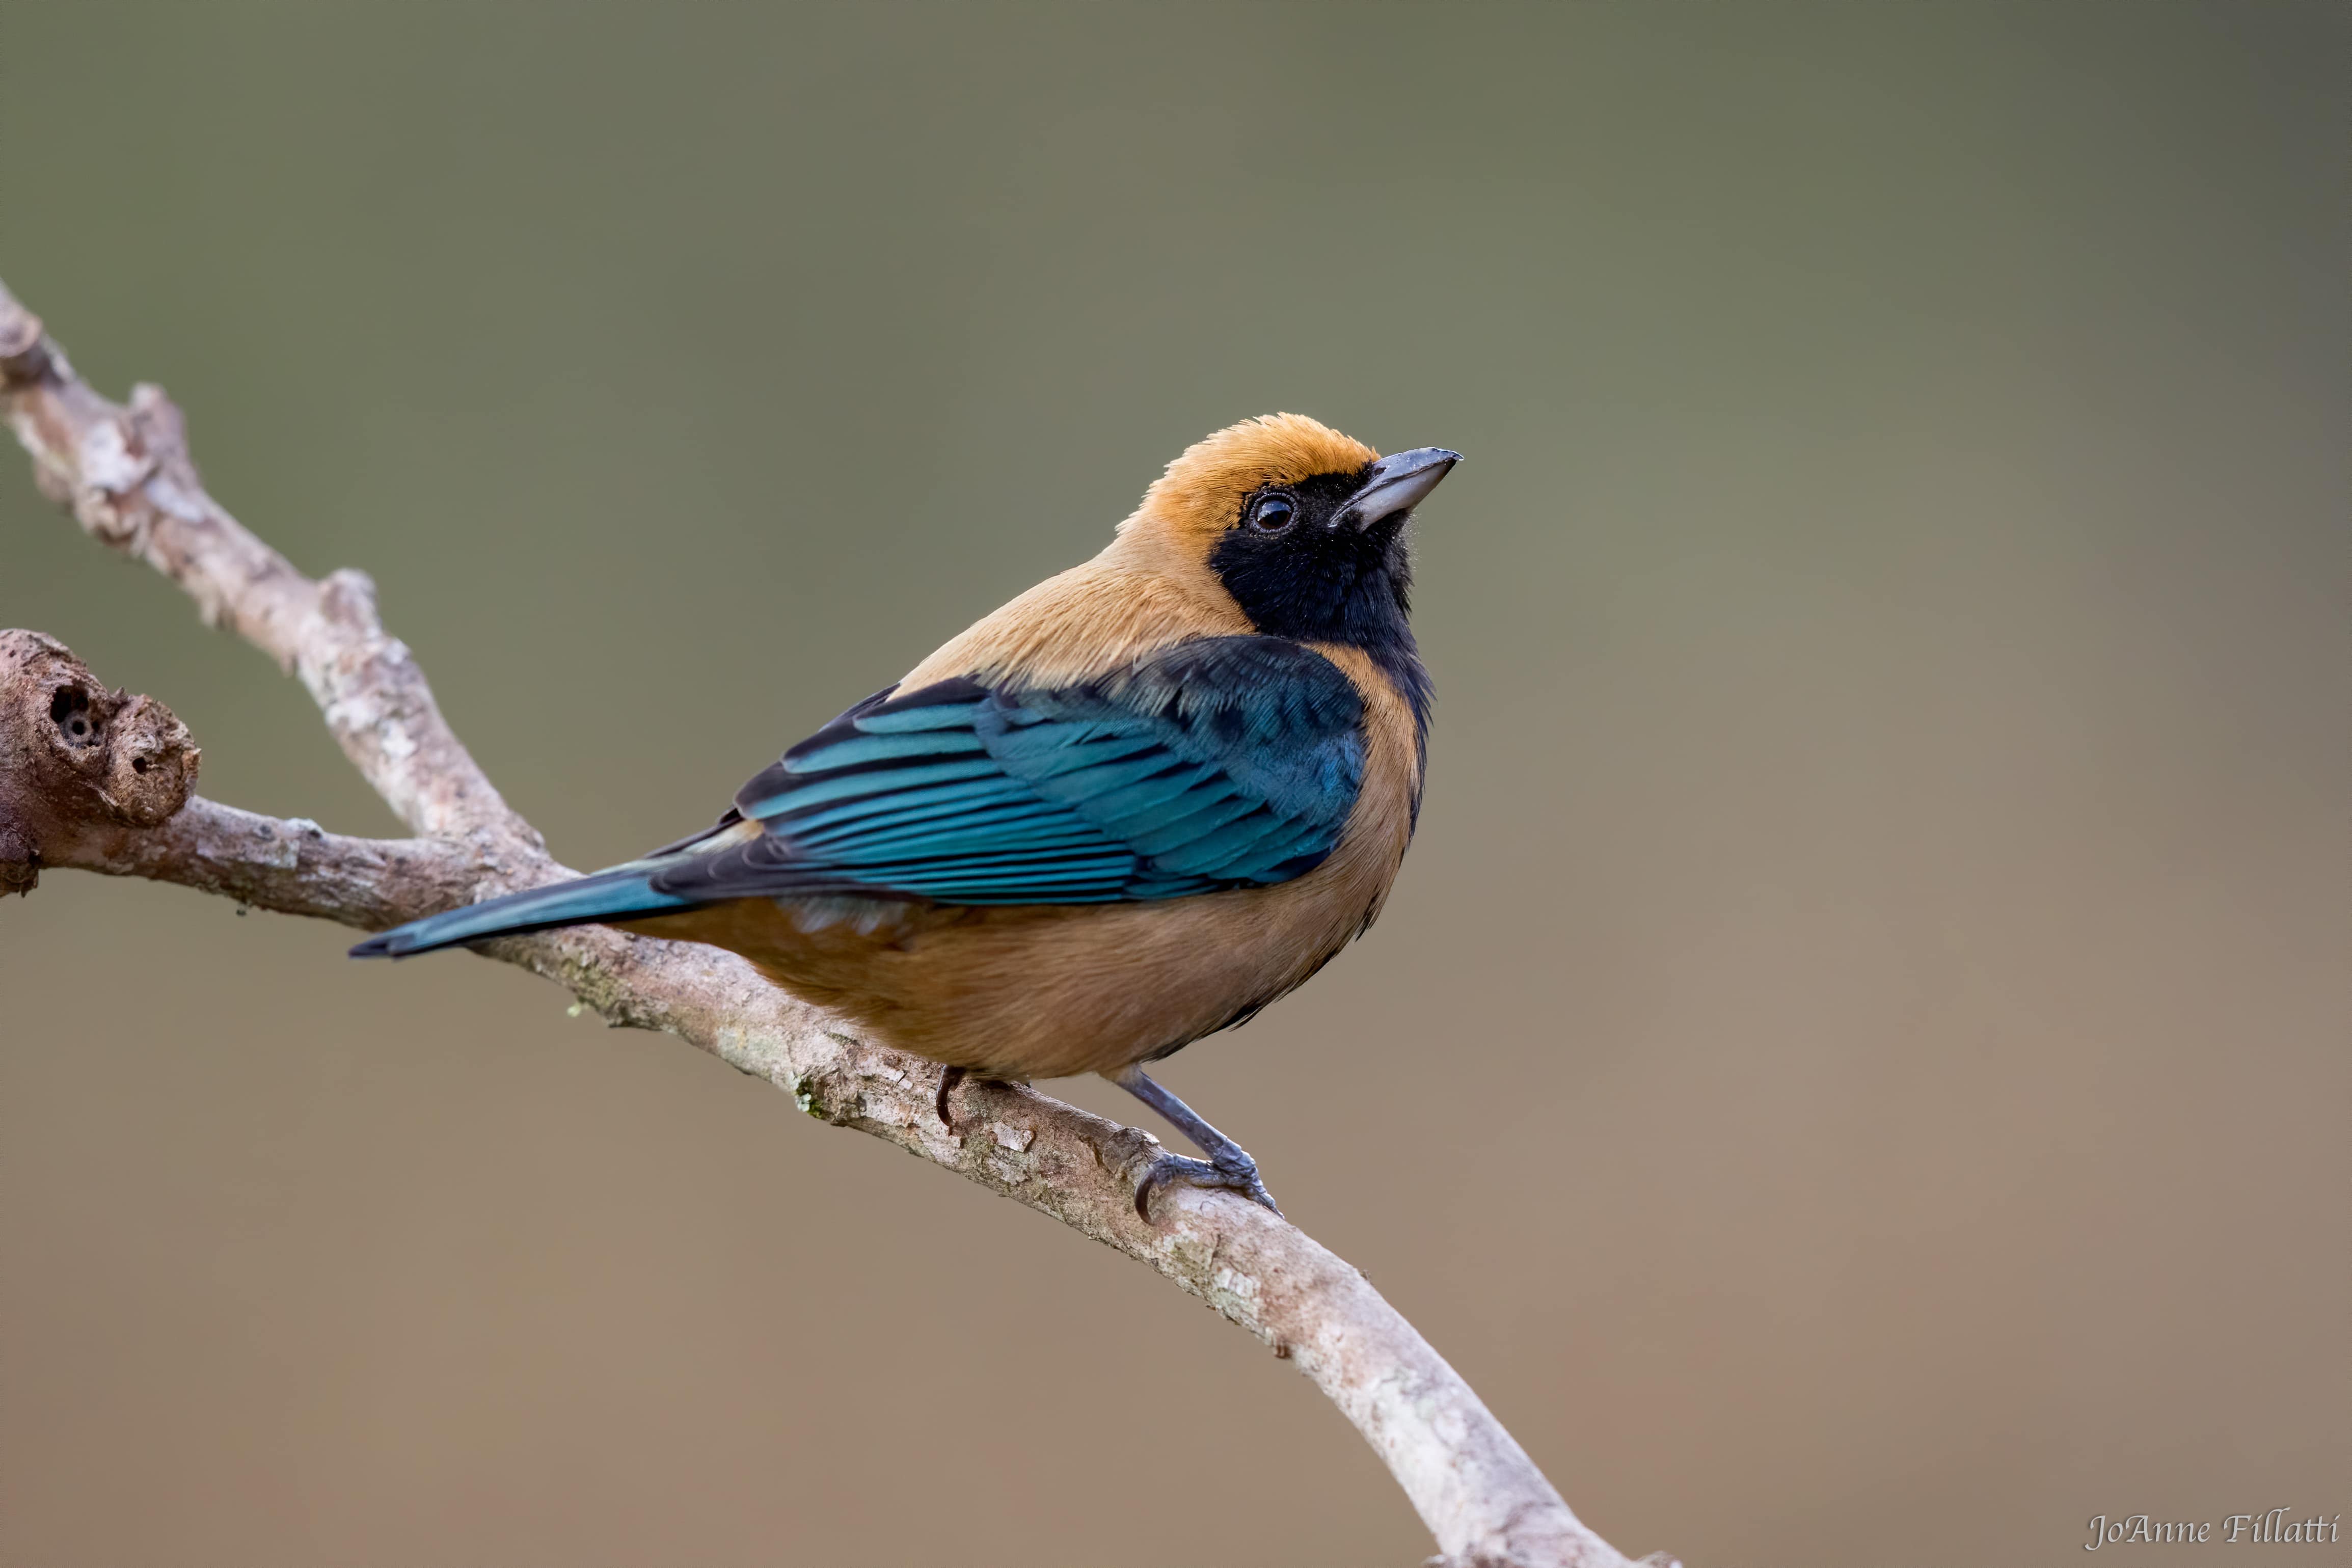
621,892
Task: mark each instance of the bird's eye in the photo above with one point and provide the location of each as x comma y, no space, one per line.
1272,514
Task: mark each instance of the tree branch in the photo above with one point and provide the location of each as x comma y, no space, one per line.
126,476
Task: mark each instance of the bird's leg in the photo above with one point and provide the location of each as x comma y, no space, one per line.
1227,1166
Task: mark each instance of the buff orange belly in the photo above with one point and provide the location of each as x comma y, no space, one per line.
1031,991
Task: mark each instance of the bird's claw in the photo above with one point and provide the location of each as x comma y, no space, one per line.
949,1079
1232,1169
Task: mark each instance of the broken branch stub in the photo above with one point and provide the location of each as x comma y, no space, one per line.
73,752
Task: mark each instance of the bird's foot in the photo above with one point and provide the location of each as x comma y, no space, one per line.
1231,1169
1227,1164
949,1079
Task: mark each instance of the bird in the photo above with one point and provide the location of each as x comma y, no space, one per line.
1127,810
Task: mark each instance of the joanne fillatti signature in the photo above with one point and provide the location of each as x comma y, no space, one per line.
2277,1527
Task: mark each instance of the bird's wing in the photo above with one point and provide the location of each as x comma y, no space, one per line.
1220,762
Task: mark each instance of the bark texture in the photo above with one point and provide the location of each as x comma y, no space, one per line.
77,759
99,781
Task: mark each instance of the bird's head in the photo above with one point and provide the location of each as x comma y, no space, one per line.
1302,526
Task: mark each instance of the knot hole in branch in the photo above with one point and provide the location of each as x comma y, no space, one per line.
70,711
74,753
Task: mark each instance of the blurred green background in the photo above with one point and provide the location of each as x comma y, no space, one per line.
1855,1070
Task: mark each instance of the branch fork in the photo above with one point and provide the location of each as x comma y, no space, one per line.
101,781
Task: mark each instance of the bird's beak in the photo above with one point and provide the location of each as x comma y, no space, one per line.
1395,485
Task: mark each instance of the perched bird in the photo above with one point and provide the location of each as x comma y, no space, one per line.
1128,809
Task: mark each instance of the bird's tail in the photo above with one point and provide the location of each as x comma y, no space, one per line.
606,896
620,893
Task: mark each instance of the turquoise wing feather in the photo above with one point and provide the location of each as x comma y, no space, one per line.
1221,763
